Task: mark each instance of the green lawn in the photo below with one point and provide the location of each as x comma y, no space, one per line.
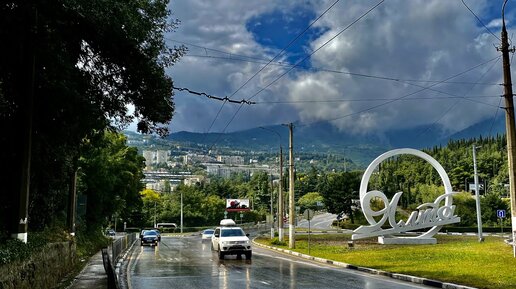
456,259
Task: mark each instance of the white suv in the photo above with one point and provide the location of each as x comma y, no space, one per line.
230,240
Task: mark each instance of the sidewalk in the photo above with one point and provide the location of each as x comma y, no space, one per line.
93,276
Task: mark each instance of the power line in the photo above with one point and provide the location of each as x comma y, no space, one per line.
457,102
285,48
225,99
488,30
311,68
319,48
494,118
277,55
374,99
302,60
402,97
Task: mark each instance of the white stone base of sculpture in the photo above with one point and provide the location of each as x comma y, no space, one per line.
406,241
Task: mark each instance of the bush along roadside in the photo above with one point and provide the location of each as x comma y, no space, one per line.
33,265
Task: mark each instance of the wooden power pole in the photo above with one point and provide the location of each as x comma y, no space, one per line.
509,123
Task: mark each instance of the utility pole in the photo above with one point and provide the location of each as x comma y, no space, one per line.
509,122
27,76
272,208
155,215
72,203
477,195
292,211
281,202
181,211
280,197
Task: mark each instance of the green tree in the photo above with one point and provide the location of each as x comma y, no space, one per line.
151,206
111,174
310,201
489,204
90,60
339,190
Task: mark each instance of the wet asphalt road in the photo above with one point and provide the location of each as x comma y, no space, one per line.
319,222
189,263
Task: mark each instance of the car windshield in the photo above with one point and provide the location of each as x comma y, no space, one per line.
208,232
147,233
232,233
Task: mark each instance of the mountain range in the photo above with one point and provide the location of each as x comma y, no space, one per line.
326,139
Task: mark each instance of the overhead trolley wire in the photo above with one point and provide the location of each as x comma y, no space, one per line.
243,101
312,68
494,118
457,102
319,48
302,60
261,60
401,97
479,20
285,48
376,99
267,64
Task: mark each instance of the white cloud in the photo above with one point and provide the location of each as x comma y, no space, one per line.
496,23
421,40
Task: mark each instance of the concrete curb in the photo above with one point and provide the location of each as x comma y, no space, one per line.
408,278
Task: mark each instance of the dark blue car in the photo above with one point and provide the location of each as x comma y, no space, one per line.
150,238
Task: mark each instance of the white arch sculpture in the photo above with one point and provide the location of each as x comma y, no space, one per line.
428,215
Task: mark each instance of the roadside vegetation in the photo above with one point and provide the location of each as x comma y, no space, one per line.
60,129
455,259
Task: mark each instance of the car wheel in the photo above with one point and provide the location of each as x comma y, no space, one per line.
221,255
248,255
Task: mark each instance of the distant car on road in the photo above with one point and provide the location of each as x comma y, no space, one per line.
206,234
149,237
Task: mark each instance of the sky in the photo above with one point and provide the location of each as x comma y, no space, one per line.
400,65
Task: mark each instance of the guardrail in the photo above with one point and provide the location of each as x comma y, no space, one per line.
118,246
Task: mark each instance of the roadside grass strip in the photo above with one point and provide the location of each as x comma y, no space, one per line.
453,260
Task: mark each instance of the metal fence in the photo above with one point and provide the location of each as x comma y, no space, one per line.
120,245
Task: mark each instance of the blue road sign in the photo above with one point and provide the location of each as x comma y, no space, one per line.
500,213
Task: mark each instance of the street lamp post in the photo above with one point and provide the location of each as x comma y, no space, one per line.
154,213
280,190
477,195
181,211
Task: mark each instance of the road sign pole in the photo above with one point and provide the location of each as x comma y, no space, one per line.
309,236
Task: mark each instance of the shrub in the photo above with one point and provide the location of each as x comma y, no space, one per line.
277,242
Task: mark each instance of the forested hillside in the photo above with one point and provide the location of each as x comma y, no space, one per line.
421,183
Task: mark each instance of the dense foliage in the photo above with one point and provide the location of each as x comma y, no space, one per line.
338,191
421,183
204,203
68,71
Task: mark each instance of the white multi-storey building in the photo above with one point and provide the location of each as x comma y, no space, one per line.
231,160
155,157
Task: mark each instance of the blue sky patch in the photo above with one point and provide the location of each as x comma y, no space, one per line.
278,28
